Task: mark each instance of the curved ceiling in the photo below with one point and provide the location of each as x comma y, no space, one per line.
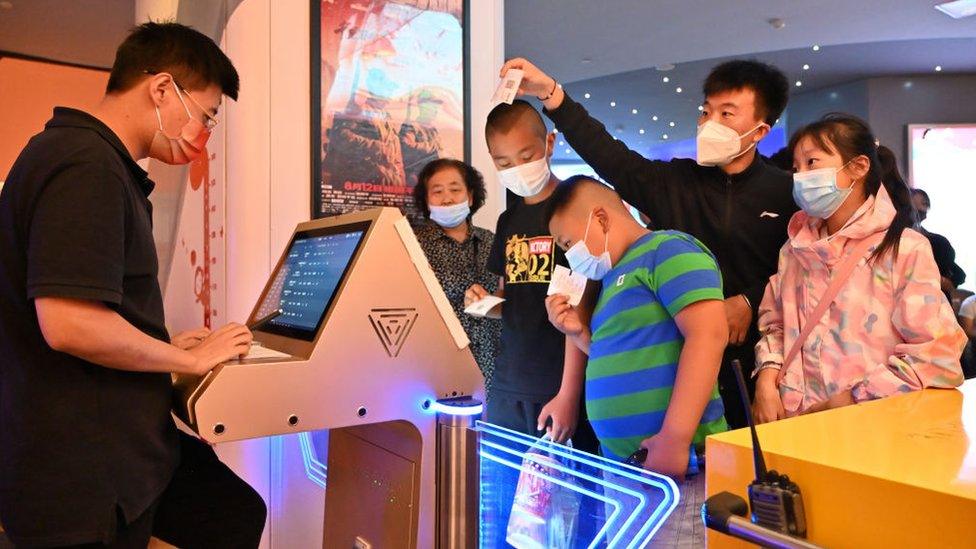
580,39
82,32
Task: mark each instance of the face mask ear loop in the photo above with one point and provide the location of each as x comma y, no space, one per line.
606,242
587,232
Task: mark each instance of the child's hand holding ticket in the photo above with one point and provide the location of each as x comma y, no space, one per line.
567,283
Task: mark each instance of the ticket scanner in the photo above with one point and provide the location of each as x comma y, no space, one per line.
366,345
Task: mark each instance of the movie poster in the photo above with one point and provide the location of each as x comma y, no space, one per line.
391,99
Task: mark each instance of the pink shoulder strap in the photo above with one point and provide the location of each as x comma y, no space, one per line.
841,275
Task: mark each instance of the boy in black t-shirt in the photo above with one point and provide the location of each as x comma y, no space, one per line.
531,390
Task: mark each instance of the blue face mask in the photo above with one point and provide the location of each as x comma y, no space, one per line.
583,262
450,216
817,194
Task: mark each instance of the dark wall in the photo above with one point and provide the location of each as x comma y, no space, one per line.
890,104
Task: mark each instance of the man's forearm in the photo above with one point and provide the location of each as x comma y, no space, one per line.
93,332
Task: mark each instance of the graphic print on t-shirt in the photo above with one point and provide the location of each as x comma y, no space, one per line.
529,260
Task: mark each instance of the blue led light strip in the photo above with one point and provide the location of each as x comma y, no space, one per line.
315,470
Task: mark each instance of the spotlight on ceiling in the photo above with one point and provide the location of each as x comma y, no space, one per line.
816,47
938,68
806,67
586,95
641,131
613,103
665,136
633,111
799,83
678,89
654,118
666,79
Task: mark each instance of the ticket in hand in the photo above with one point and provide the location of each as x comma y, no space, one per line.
508,88
567,283
481,307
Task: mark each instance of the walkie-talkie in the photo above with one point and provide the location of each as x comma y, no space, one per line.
775,500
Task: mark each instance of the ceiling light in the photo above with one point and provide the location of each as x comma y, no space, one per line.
665,136
568,151
613,103
938,68
833,95
700,108
671,124
799,83
907,85
561,143
633,111
776,23
654,118
586,95
806,67
641,131
678,89
816,47
958,9
666,79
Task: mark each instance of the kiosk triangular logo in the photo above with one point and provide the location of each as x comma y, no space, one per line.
393,326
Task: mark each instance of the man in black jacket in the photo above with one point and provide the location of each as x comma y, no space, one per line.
730,198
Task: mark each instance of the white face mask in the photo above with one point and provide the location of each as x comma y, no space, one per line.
450,216
816,192
718,145
583,262
527,179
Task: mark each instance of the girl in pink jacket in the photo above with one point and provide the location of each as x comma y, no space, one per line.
889,329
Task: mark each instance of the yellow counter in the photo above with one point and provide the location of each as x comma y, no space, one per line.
896,472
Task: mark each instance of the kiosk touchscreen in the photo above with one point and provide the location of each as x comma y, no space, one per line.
354,334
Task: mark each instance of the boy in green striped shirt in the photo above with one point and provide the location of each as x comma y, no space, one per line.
655,339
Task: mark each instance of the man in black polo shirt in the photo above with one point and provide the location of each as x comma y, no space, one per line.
89,454
730,199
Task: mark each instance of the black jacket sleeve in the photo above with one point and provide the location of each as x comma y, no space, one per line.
754,294
645,184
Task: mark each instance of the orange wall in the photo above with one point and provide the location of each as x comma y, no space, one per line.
29,91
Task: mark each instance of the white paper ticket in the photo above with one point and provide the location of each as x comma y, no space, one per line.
508,87
481,307
567,283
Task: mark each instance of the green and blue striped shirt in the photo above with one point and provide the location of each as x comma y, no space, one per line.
635,343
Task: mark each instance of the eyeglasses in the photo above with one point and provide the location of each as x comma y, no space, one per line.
210,121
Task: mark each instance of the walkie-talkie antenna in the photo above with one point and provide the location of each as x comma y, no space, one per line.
757,454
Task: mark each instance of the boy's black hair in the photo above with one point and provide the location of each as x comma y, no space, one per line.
769,83
504,117
193,59
564,194
473,180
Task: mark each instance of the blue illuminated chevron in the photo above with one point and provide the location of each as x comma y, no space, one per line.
314,469
619,506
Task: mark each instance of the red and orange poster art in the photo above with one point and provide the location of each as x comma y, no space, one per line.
391,99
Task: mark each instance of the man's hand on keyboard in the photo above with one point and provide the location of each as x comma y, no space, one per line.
231,341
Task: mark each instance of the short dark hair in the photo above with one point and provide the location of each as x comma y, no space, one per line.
564,194
924,195
193,59
504,117
473,181
769,84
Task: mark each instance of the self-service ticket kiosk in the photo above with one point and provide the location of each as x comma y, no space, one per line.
362,359
365,344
